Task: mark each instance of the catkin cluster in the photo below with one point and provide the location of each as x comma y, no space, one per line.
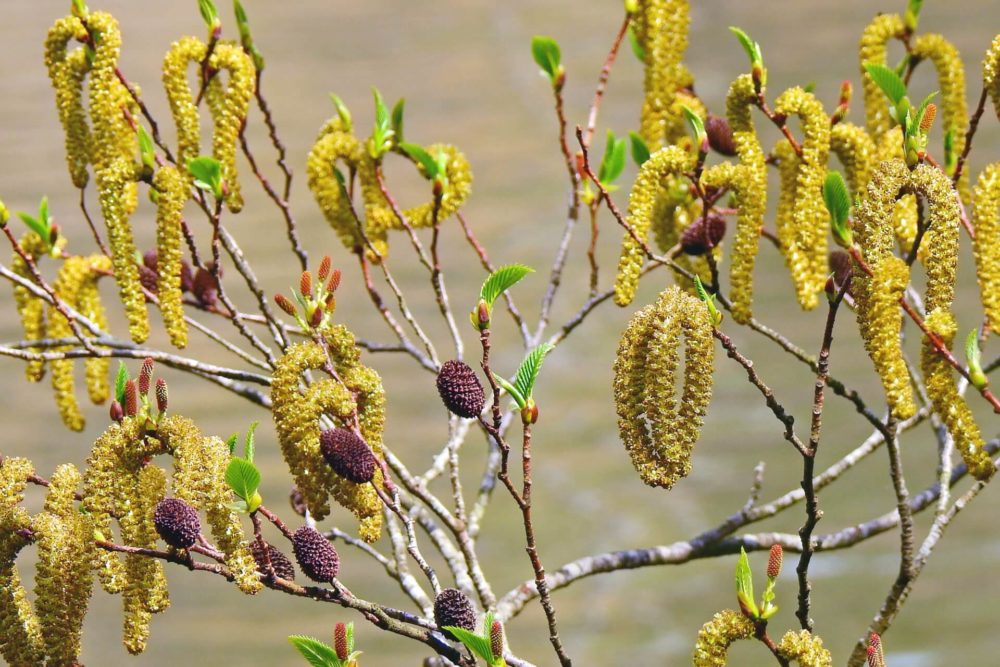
805,648
67,72
986,244
30,308
336,143
991,74
716,636
21,640
661,29
298,414
804,225
76,285
873,49
658,430
172,192
855,149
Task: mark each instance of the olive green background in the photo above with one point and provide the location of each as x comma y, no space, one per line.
466,72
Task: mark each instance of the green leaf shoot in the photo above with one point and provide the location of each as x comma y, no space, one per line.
146,149
744,585
207,173
888,81
121,379
613,161
515,394
476,643
973,356
838,203
640,151
342,111
637,47
314,651
248,445
545,51
231,443
420,155
696,123
209,14
397,118
501,280
382,135
709,300
751,47
524,381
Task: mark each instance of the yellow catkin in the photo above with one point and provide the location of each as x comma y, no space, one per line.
986,244
172,192
661,28
991,74
658,430
876,297
297,419
64,576
716,636
804,241
229,110
175,81
199,479
873,49
904,215
804,648
653,178
951,81
30,308
77,275
67,71
96,369
335,144
855,149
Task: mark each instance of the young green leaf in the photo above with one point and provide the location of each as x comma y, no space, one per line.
207,173
209,14
912,15
524,381
751,47
475,643
613,161
515,394
79,9
501,280
243,478
696,123
43,213
637,47
246,38
709,300
397,118
973,357
231,442
121,379
342,111
146,149
545,51
420,155
744,585
950,156
314,651
888,81
382,134
34,225
836,198
640,151
248,446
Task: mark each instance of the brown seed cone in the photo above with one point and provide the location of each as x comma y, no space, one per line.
281,563
720,135
694,241
148,278
460,389
315,555
452,607
348,455
177,523
205,287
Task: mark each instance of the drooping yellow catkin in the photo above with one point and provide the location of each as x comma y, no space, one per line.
649,185
658,430
175,81
77,275
661,28
986,245
716,636
805,648
855,149
904,214
67,71
872,49
951,81
941,237
991,73
229,110
173,192
30,308
804,241
64,576
96,369
199,479
876,297
335,143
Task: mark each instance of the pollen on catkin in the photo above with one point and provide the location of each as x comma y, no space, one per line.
658,430
335,143
30,308
716,636
229,107
872,49
641,206
855,149
661,28
904,215
805,648
172,191
66,72
175,82
986,244
941,238
991,73
77,277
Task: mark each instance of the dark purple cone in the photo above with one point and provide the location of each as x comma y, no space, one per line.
452,607
693,241
315,555
177,523
348,455
282,565
720,135
460,389
841,266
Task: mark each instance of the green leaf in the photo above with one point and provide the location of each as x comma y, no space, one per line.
43,213
501,280
950,156
209,13
836,198
512,390
121,379
888,81
382,134
973,357
349,631
34,225
751,47
207,173
613,161
545,51
528,372
475,643
744,584
231,442
637,47
79,8
912,15
921,110
248,446
640,151
315,652
696,123
709,300
146,149
397,118
243,478
810,87
342,111
420,155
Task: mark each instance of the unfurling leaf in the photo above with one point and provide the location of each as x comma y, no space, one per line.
207,173
696,123
545,51
243,478
973,356
709,299
248,447
342,111
744,586
838,203
640,151
637,48
888,81
397,119
314,651
613,161
512,390
209,13
501,280
121,379
751,47
524,381
146,149
420,155
475,643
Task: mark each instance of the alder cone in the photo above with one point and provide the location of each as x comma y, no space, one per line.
316,556
282,565
693,241
720,135
177,523
348,455
460,389
453,607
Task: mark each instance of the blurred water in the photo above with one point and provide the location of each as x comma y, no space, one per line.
465,70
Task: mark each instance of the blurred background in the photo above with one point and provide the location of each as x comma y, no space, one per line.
466,72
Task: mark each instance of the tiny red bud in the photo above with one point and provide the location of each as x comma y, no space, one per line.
116,412
305,285
930,113
496,639
131,399
284,304
875,656
774,562
161,395
334,282
340,641
331,302
846,91
324,268
483,315
145,376
317,317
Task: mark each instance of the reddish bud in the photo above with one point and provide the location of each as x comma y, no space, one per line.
846,91
496,639
131,399
774,562
116,411
930,113
483,315
161,395
205,286
145,376
331,303
720,135
306,285
340,640
875,656
317,318
284,304
324,268
334,282
703,234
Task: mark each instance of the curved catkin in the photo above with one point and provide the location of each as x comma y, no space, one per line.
335,144
873,49
876,297
716,636
77,276
199,479
986,244
661,28
904,215
30,308
229,110
855,149
951,81
175,82
941,237
804,648
658,430
96,369
172,191
804,241
67,71
991,74
641,206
